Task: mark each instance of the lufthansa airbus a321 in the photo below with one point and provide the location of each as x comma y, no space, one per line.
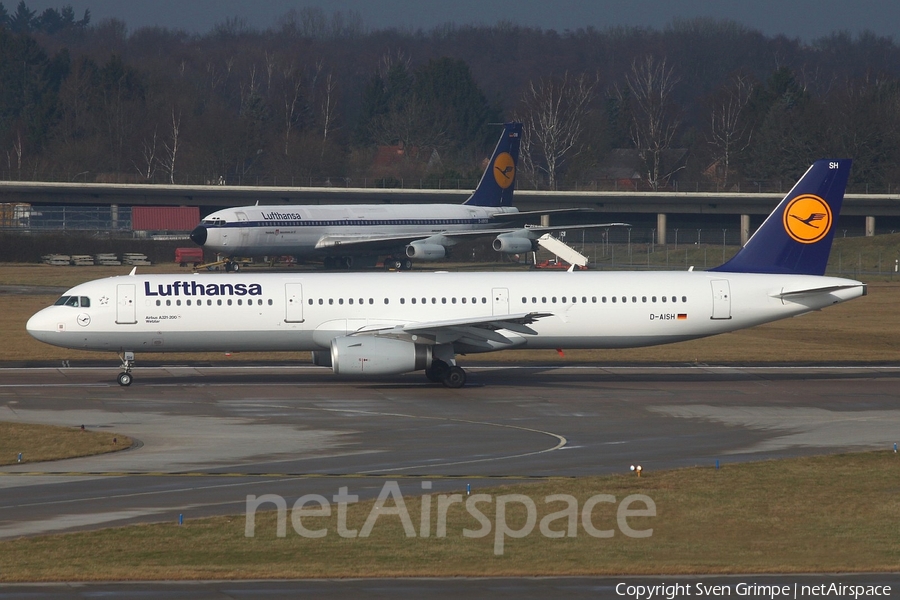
392,323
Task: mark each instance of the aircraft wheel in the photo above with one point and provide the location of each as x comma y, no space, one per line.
407,264
235,267
455,377
437,371
124,379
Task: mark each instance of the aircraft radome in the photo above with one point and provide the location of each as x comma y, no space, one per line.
390,323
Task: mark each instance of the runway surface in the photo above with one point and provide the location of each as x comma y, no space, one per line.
207,437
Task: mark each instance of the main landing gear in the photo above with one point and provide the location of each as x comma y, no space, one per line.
125,377
452,376
392,263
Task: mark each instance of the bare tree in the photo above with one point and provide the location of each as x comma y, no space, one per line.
19,149
293,92
654,117
148,154
729,134
172,145
328,107
554,111
414,126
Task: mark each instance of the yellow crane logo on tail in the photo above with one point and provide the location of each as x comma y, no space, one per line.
807,219
504,170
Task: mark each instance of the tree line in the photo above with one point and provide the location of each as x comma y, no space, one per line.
319,97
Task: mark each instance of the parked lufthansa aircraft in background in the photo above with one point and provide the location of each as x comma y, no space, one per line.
380,323
347,236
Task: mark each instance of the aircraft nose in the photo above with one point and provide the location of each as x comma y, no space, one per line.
39,326
198,235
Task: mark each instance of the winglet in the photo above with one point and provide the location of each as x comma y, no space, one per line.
796,238
133,271
499,179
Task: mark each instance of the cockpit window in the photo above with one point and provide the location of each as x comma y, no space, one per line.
76,301
67,301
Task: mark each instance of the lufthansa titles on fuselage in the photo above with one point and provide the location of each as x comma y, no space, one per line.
279,216
194,288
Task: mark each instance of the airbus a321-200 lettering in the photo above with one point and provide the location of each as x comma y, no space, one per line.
366,324
357,235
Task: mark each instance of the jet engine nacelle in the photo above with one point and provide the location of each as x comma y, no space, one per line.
426,251
512,243
367,355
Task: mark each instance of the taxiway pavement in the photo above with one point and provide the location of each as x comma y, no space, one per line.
208,437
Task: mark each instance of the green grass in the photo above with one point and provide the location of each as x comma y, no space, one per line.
48,442
822,514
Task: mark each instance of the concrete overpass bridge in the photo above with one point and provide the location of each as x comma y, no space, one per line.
658,207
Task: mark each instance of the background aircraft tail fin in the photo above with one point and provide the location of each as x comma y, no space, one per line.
499,179
796,238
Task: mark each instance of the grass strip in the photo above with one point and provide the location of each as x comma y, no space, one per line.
835,513
51,442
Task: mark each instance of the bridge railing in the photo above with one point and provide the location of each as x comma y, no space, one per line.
432,183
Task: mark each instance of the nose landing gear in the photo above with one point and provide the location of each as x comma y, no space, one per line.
125,378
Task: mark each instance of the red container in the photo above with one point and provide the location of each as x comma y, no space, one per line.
186,256
164,218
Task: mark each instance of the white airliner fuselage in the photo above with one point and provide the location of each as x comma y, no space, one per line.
297,312
308,230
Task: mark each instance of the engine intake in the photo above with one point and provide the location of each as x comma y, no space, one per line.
426,251
367,355
512,243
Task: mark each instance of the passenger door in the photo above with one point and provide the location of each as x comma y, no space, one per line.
293,303
721,293
501,301
126,313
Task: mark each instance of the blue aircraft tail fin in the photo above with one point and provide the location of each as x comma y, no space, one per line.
499,179
796,238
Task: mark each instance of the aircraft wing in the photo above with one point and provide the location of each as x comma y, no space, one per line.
370,243
531,232
511,216
477,332
382,242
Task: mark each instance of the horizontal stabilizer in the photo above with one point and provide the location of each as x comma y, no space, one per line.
787,294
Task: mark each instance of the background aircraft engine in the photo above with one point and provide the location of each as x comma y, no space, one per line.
365,355
426,251
512,243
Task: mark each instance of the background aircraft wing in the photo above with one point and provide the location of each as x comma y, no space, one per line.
396,242
513,216
370,243
532,232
